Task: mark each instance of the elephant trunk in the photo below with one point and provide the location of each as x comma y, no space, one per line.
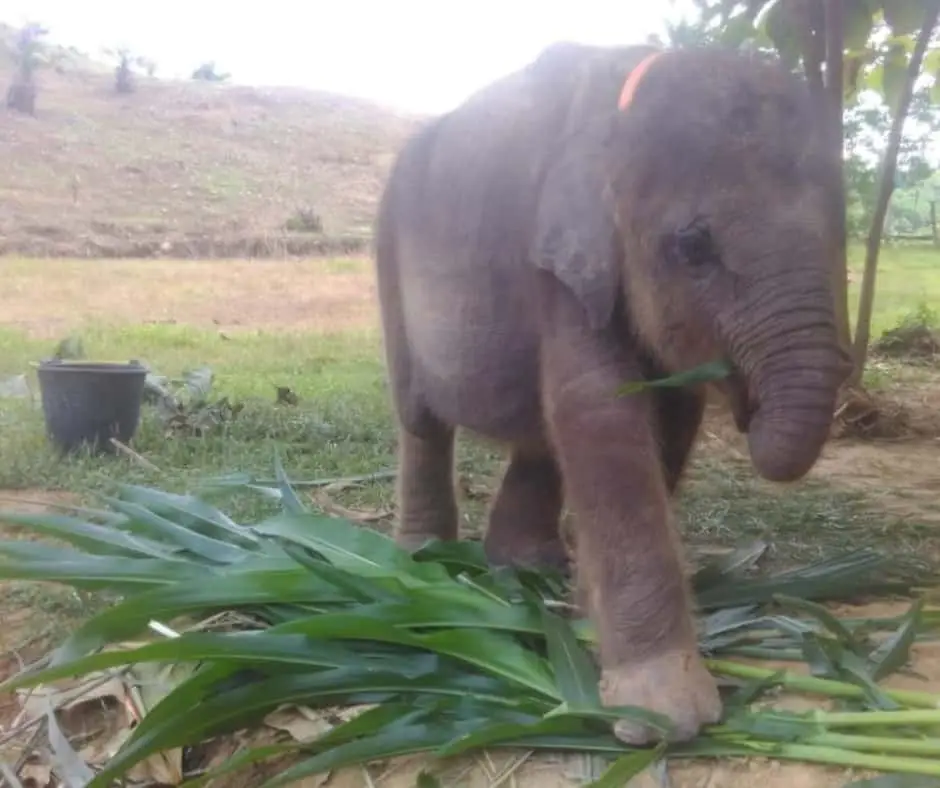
793,366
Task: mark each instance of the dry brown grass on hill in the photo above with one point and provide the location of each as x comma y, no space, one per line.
188,169
47,301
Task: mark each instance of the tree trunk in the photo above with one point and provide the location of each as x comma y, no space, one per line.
835,107
21,97
889,168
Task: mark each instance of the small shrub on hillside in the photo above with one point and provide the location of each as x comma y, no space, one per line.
124,73
305,220
207,73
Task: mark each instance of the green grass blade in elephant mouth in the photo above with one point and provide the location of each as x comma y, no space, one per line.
704,373
728,379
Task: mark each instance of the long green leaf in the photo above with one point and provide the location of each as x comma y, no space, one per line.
395,742
257,649
457,718
366,723
205,547
245,704
824,617
234,589
94,538
894,652
704,373
575,671
352,548
509,732
844,577
829,658
464,555
289,498
628,766
496,653
189,511
41,562
728,566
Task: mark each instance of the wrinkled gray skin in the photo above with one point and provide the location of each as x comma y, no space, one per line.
537,247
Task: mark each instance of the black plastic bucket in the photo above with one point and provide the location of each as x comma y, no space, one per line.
88,403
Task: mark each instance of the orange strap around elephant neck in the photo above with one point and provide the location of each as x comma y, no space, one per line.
633,79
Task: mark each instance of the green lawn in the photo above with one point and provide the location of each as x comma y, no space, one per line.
907,277
342,427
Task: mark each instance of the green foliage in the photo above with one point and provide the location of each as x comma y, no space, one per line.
866,126
450,655
879,37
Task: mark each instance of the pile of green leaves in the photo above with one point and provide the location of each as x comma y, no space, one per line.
184,405
449,655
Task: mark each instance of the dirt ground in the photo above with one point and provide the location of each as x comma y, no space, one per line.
904,476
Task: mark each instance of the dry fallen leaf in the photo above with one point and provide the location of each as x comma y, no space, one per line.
102,711
328,505
67,694
34,774
302,727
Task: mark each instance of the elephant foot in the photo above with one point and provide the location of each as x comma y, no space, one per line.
427,505
547,555
675,684
413,541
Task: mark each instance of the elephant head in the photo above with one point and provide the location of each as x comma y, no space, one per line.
705,205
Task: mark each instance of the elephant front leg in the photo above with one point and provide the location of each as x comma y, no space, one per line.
427,503
628,557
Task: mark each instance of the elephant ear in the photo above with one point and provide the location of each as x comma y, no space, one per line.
576,236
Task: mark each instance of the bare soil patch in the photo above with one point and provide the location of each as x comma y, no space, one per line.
902,474
50,297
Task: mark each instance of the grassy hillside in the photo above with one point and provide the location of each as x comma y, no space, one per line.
188,169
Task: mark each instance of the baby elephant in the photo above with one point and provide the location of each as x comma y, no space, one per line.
599,216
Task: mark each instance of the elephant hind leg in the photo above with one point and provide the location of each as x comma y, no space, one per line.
524,517
427,503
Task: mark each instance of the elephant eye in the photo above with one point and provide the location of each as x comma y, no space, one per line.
694,245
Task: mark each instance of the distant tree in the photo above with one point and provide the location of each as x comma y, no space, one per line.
28,56
123,71
127,61
207,73
867,123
